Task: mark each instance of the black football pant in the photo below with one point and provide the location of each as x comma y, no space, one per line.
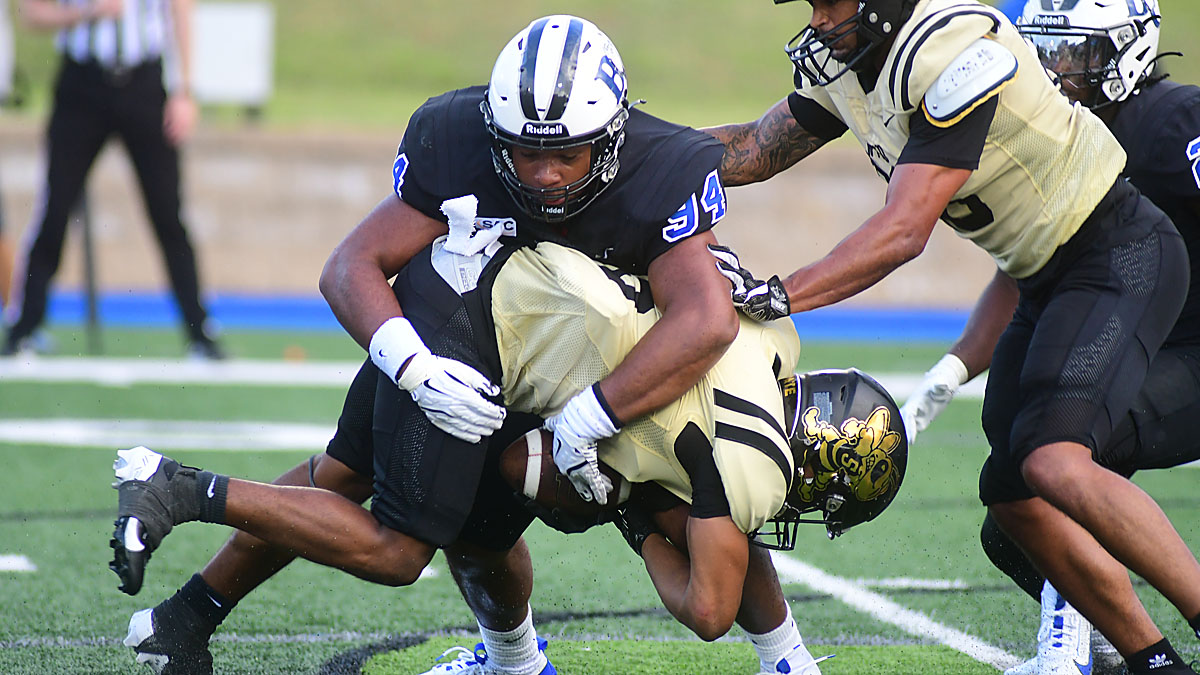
1158,432
90,105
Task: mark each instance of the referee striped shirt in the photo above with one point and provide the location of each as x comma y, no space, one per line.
139,36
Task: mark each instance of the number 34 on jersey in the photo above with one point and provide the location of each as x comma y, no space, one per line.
709,202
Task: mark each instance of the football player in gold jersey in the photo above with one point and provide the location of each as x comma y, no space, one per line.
729,451
956,113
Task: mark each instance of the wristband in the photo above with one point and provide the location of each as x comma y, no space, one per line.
952,366
587,417
394,343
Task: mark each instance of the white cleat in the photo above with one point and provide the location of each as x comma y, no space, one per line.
798,662
1064,640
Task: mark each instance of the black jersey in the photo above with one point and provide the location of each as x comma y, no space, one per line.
666,190
1160,131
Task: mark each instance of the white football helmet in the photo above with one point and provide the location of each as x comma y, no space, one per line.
559,83
1104,44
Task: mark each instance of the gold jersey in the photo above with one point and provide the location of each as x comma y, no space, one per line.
564,322
1045,165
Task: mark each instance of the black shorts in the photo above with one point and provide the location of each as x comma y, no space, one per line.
429,484
1080,343
1159,431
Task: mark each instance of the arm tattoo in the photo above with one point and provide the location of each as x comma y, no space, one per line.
758,150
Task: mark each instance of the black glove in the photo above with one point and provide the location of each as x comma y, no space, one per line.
635,525
759,300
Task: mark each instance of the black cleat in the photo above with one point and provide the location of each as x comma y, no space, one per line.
168,647
155,494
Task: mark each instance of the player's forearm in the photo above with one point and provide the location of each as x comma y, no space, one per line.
987,322
182,21
359,296
758,150
51,15
702,589
858,262
668,361
355,278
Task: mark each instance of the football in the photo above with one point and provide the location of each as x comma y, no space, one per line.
528,467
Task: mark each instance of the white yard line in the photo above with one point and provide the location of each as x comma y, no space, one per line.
126,372
908,583
167,434
16,563
915,623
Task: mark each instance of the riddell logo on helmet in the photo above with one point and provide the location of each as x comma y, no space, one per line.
541,129
1054,20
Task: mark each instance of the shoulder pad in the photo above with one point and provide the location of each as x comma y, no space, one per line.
974,76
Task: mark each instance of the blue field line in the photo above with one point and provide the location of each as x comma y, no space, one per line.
301,312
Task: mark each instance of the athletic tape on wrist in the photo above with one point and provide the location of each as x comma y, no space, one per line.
393,343
952,365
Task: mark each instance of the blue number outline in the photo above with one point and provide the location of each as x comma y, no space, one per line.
398,170
714,197
684,222
1193,153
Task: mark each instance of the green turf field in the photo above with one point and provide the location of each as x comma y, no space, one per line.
370,63
904,594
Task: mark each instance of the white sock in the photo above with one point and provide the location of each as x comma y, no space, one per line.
776,643
514,651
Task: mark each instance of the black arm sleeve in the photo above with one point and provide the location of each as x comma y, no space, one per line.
815,119
958,146
695,453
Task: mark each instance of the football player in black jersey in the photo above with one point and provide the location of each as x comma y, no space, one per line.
956,113
1158,123
550,150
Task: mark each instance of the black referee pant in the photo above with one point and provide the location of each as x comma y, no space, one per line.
90,105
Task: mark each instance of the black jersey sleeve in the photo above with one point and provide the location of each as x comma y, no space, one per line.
695,454
815,119
443,152
1176,145
675,189
414,163
958,146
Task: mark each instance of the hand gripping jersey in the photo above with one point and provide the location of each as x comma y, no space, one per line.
666,189
1045,164
1159,127
562,323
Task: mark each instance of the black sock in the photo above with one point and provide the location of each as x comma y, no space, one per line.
1194,622
1159,657
212,488
209,605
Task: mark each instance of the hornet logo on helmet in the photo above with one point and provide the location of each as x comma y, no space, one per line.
858,454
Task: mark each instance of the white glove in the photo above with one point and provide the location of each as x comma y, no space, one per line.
932,396
449,392
582,422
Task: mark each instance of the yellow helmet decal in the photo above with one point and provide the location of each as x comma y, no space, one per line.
859,452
